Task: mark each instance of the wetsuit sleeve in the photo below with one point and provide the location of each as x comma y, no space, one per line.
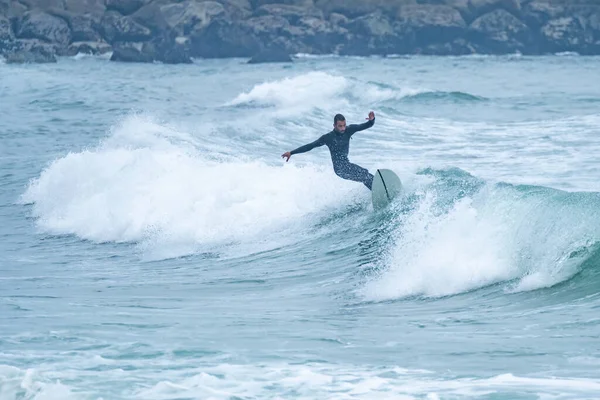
307,147
352,129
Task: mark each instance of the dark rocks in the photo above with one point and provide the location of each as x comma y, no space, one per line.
30,51
292,14
40,25
500,32
130,52
224,38
190,15
426,24
358,8
271,55
174,31
118,28
165,49
6,33
566,34
92,48
84,28
125,7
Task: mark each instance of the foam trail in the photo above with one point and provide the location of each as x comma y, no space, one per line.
151,184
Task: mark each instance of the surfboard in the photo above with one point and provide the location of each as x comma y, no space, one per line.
386,186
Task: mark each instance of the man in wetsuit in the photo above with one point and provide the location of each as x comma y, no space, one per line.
338,142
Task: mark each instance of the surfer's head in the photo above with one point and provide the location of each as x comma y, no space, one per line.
339,123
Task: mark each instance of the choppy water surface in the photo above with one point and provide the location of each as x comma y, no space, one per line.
154,244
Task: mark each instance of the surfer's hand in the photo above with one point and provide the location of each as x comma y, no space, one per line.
286,155
371,116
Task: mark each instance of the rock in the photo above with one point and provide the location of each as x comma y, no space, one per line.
298,3
169,50
182,18
426,24
358,8
566,34
500,32
237,9
292,14
125,7
6,33
225,38
117,28
163,48
190,15
84,28
462,6
271,55
322,37
457,47
338,19
43,4
30,51
371,34
40,25
85,7
175,30
12,9
537,13
130,52
94,48
478,8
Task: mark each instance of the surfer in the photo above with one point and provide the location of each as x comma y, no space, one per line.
338,142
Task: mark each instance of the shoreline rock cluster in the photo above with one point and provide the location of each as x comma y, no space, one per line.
175,31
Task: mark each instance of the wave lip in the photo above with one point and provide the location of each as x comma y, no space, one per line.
303,91
463,236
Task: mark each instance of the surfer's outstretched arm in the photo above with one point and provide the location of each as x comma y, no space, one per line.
352,129
303,149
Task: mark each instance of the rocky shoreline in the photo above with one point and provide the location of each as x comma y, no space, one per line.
175,31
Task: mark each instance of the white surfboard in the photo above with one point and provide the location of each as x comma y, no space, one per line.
386,186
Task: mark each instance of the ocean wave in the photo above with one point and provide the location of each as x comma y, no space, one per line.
320,90
464,234
149,184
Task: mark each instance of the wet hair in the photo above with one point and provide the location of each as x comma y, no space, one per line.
338,117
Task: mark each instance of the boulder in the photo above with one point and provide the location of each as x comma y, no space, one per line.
125,7
568,34
426,24
93,48
165,49
225,38
181,18
371,34
298,3
6,33
358,8
38,24
118,28
30,51
478,8
130,52
273,54
500,32
292,14
84,27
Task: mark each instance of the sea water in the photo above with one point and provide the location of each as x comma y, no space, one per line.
155,245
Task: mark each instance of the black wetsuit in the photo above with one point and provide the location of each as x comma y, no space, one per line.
339,145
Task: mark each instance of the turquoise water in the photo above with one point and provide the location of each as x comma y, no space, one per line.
154,244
